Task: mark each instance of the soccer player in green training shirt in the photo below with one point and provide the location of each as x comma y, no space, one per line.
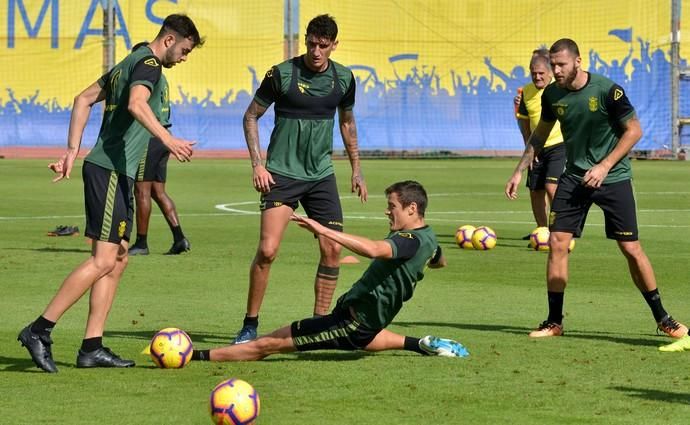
599,128
307,91
132,90
361,315
150,184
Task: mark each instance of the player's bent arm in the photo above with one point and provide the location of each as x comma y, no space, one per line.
140,109
81,111
631,135
250,124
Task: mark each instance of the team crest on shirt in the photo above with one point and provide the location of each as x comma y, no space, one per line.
121,229
593,104
560,109
303,87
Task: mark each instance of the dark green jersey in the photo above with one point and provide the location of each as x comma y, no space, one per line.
305,105
592,121
161,104
379,294
122,140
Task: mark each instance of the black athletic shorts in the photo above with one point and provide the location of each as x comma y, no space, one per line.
335,331
319,199
572,201
549,168
154,164
109,203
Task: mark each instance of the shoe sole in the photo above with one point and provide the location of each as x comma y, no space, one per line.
92,366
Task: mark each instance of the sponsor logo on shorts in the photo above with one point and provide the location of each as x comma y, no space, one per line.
552,217
335,223
624,233
121,228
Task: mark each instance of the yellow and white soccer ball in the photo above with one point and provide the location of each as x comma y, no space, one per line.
463,236
171,348
539,240
484,238
234,402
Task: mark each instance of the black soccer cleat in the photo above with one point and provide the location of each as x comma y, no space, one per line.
39,348
64,231
103,357
179,247
138,250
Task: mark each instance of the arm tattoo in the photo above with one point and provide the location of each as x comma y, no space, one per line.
251,131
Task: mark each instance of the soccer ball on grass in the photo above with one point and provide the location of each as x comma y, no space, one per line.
171,348
234,402
463,236
539,240
484,238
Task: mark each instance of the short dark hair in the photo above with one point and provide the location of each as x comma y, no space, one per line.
183,26
565,44
323,26
410,191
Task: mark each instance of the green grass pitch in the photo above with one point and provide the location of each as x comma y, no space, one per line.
605,370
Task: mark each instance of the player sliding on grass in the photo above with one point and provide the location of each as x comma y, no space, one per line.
599,128
358,320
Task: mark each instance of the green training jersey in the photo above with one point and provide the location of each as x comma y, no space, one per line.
122,140
383,288
305,105
592,120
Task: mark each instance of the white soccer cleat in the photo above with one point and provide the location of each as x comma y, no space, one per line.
442,347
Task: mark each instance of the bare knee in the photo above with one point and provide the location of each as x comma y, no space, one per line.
330,251
266,254
632,250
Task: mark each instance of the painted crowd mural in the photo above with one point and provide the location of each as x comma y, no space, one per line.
431,76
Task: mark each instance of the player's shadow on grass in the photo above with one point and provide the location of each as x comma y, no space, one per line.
319,356
516,330
10,364
655,395
145,335
50,249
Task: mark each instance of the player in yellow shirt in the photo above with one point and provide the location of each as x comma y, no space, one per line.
548,166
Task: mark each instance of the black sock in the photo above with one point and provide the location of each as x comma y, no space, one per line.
412,344
654,301
91,344
555,307
141,241
251,321
177,233
203,355
42,326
